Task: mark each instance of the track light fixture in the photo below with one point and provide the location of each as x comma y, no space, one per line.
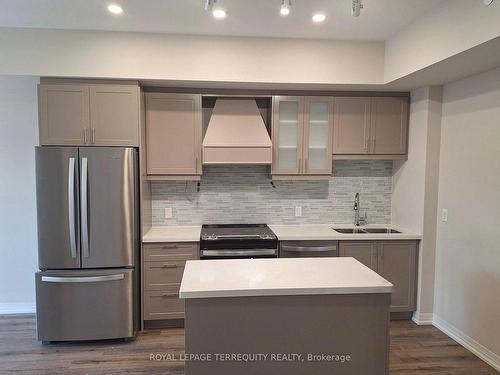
357,5
217,12
285,7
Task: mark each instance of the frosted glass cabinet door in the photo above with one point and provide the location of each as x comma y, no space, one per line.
287,135
318,135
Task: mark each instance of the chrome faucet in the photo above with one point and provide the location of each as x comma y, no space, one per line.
356,209
357,220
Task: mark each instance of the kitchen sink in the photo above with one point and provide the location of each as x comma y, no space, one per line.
380,230
349,230
364,230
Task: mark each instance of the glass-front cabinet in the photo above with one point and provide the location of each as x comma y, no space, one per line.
288,125
302,137
318,135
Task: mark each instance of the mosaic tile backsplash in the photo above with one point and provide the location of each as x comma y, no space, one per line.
244,194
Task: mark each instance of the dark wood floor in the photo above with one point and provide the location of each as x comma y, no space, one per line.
414,350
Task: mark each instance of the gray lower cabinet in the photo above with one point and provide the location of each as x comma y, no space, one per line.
162,267
364,251
396,261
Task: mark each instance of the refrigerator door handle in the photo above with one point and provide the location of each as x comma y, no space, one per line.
71,206
84,207
88,279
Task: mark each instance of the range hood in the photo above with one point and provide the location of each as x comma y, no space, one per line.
236,134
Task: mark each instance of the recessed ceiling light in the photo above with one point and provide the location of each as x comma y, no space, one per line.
115,9
219,13
285,7
487,2
319,17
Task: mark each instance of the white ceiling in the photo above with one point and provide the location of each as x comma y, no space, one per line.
379,20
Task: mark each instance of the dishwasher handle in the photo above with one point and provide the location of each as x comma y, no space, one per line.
308,249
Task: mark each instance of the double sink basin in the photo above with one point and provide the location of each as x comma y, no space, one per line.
365,230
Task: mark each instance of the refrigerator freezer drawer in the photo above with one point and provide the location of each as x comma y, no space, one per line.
85,305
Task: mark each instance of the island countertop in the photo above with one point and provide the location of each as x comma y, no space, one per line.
278,277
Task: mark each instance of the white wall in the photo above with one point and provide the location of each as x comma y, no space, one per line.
467,293
415,189
18,242
452,27
95,54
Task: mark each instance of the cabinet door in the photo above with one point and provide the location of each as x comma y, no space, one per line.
173,134
389,125
318,127
397,264
114,115
64,114
351,125
287,134
363,251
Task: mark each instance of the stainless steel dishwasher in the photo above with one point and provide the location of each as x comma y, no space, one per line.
308,249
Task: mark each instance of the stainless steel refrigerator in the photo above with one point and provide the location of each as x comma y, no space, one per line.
88,241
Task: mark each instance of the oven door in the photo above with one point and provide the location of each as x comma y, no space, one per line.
237,253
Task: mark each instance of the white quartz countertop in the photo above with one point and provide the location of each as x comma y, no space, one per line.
284,233
325,232
173,234
279,276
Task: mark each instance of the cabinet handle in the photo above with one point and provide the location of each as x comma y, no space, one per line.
85,135
170,295
373,147
196,165
169,247
300,165
306,161
169,266
367,140
93,135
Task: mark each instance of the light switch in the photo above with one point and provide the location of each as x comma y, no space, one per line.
168,212
298,211
444,215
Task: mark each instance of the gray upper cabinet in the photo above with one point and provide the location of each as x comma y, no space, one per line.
63,114
302,137
370,128
364,251
398,264
89,114
173,134
318,128
287,134
114,115
351,125
389,125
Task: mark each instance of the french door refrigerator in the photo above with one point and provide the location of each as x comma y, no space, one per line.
88,228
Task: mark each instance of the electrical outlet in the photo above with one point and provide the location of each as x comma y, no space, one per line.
298,211
444,215
168,212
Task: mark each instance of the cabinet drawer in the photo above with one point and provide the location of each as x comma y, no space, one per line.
165,304
159,275
170,251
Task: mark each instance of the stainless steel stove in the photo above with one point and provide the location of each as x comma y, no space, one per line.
227,241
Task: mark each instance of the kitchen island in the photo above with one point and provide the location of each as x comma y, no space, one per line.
285,316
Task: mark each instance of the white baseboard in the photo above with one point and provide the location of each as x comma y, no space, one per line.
468,342
17,308
423,319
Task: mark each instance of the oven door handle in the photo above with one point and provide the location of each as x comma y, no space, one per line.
237,253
